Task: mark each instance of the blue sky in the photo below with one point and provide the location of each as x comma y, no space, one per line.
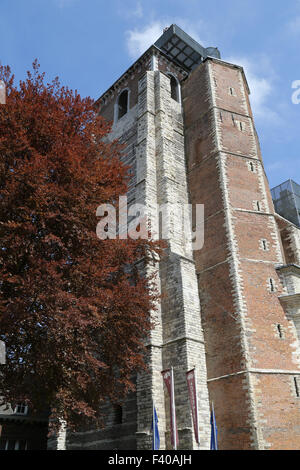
90,43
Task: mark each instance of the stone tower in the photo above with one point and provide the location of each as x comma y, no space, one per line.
231,308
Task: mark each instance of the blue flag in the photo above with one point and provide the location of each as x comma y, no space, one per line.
214,431
155,434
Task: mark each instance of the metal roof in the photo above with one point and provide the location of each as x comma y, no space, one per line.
286,198
180,47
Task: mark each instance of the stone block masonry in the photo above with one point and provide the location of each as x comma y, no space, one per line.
177,340
243,339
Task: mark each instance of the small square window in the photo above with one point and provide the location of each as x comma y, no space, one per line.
21,409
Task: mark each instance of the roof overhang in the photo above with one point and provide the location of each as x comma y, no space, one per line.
290,301
290,268
145,56
187,52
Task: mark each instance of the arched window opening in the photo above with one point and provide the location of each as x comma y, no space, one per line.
118,414
175,93
174,89
123,104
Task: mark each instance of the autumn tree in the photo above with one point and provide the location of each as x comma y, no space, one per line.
72,317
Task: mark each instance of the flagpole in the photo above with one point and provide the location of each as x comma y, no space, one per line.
214,425
197,409
173,410
153,435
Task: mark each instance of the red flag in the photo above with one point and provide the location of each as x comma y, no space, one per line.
192,388
169,381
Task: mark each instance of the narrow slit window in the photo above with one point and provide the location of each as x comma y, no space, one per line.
123,104
258,206
272,285
118,414
279,328
251,167
297,389
174,88
264,244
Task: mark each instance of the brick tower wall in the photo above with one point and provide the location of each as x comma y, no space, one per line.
207,152
251,369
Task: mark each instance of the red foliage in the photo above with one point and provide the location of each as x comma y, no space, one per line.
72,318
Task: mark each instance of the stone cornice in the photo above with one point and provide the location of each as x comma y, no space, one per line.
153,50
290,268
290,300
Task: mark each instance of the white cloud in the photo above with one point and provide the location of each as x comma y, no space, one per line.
261,87
294,25
258,72
138,11
128,13
138,40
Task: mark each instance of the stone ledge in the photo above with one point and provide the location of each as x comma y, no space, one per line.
294,268
290,300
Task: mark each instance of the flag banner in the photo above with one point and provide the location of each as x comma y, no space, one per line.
214,430
155,432
192,388
169,381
